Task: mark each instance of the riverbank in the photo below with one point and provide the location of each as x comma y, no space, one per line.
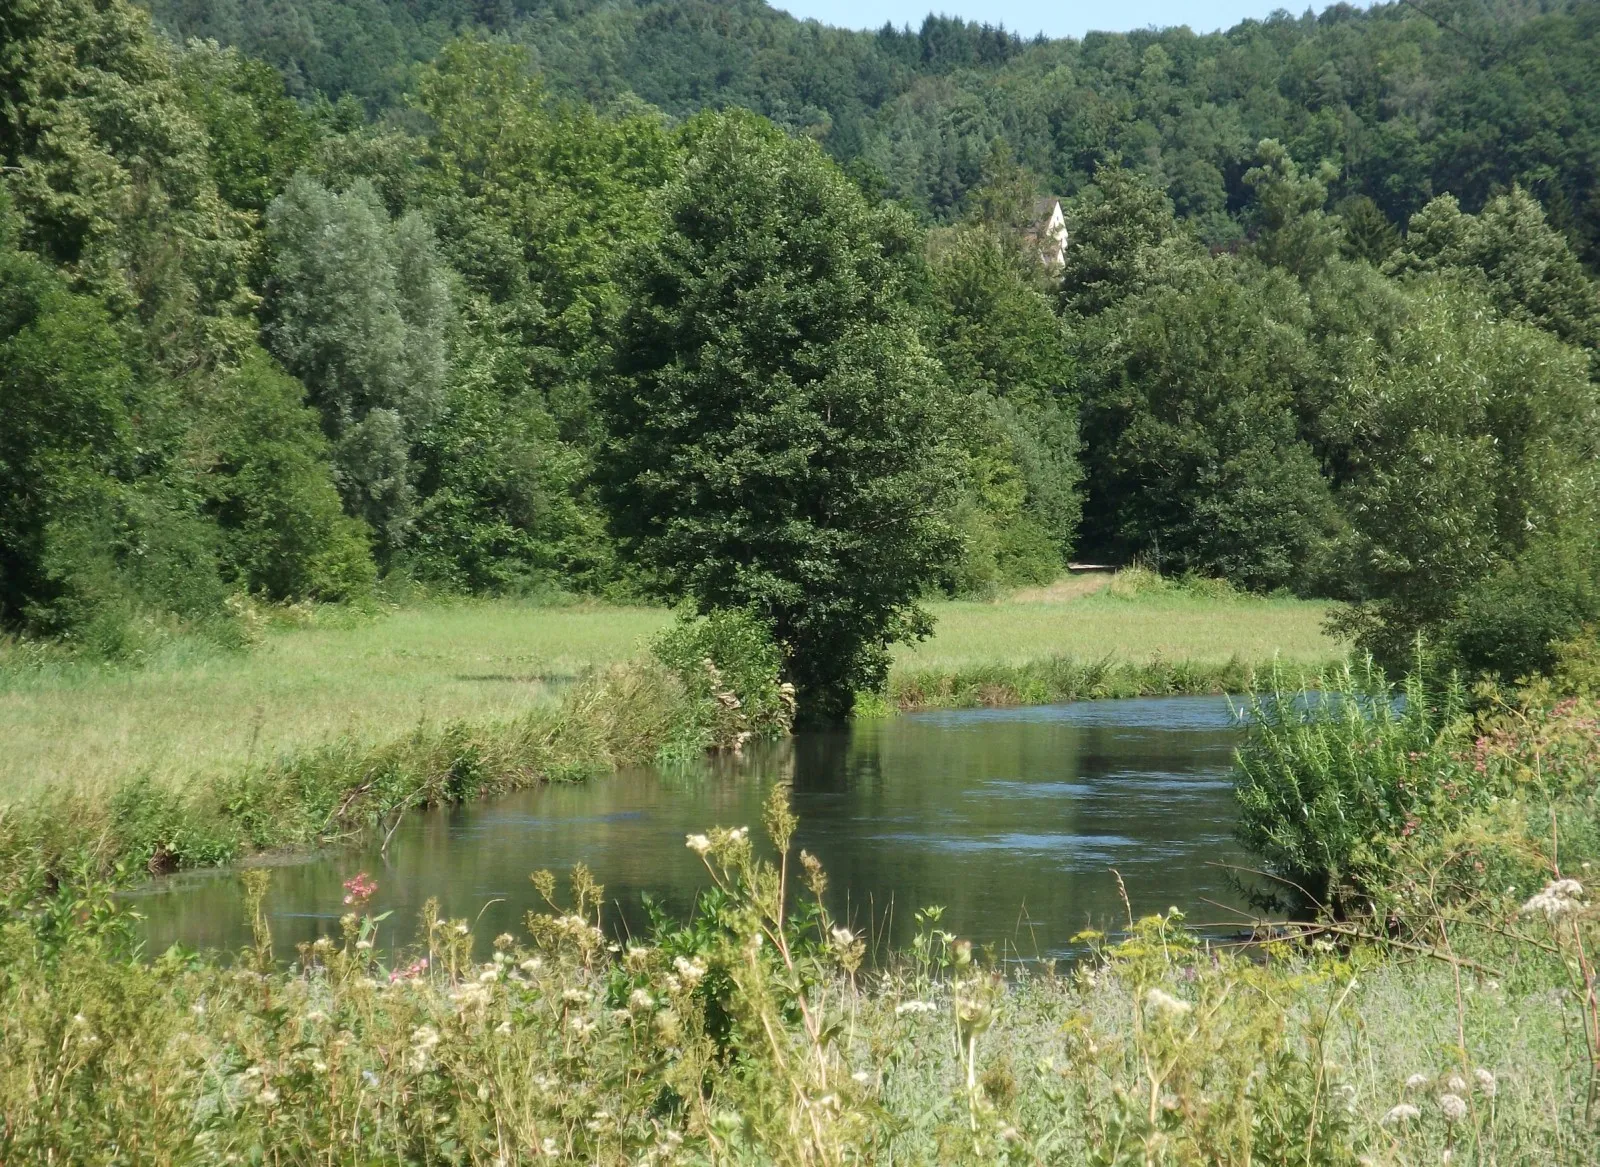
1451,1018
341,681
202,758
757,1036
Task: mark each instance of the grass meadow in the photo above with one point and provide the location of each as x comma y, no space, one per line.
194,710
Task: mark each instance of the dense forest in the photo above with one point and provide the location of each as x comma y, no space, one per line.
506,298
1407,100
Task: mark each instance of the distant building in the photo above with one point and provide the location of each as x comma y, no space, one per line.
1049,232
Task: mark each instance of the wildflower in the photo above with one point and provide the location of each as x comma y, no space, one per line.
576,997
471,995
861,1076
1418,1082
905,1007
1455,1084
690,970
641,1000
315,1017
1453,1106
413,970
359,889
1405,1112
843,937
425,1037
975,1012
462,928
504,940
738,835
1559,898
363,946
580,1025
532,965
269,1096
549,1147
369,1077
699,844
503,1029
489,975
1486,1082
320,1066
1165,1004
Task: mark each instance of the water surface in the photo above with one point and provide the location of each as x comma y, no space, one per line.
1012,819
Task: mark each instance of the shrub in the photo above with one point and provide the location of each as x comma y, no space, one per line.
728,663
1326,781
1512,623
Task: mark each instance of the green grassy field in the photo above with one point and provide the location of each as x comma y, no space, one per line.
1080,619
195,710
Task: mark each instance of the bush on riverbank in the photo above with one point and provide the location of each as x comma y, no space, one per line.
757,1037
1358,796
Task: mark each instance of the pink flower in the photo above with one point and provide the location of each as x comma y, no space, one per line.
359,888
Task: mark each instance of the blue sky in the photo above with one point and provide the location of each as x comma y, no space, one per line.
1052,18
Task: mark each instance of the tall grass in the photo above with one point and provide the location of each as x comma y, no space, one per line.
752,1034
195,711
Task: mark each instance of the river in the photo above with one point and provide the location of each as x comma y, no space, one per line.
1013,820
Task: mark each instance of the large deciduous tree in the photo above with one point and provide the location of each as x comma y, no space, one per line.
358,308
775,423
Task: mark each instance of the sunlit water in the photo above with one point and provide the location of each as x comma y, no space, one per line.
1012,819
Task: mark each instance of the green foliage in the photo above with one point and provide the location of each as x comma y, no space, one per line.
1328,780
1527,268
267,478
1195,456
1405,102
1125,236
729,665
257,137
1367,233
1512,623
536,207
109,172
1290,229
65,424
776,427
1476,442
1003,349
358,308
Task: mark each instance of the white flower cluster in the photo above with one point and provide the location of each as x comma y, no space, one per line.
717,841
905,1007
1559,898
1164,1004
690,970
424,1040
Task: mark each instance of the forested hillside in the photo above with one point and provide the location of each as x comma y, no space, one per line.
1324,324
1406,100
